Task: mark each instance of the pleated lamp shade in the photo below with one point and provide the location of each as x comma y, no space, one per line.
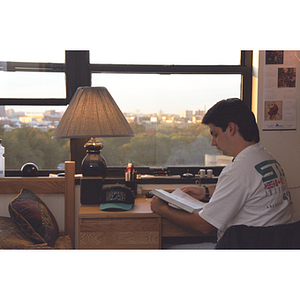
92,112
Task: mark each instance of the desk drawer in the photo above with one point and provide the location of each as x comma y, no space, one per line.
137,233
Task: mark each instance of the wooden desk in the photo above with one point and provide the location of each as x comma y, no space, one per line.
138,228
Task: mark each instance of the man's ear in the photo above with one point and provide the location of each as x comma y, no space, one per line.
232,128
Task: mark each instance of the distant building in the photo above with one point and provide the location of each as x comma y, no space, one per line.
197,119
188,114
10,113
130,119
28,118
52,116
154,119
200,113
167,119
2,111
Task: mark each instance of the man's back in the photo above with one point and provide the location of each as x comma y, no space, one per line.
252,190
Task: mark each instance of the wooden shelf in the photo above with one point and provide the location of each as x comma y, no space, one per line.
38,185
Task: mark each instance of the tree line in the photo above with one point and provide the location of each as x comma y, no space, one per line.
162,146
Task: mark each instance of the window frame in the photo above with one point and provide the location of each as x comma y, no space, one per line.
78,72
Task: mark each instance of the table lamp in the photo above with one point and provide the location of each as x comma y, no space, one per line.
92,113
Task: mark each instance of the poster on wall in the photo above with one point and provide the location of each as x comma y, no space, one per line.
280,90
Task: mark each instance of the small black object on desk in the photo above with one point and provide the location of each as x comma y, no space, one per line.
29,169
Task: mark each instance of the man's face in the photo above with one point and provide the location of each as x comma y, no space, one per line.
220,139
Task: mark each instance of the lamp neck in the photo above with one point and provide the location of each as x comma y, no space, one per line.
93,146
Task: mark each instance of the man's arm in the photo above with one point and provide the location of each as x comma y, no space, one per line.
180,217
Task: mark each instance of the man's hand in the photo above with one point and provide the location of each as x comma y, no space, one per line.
158,205
196,192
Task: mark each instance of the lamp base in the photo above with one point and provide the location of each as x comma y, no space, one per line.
94,164
90,190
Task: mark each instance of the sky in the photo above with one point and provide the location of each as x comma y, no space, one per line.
141,32
172,94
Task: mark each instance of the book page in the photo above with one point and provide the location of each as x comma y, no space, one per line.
179,199
179,193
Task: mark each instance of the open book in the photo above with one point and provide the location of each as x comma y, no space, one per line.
180,199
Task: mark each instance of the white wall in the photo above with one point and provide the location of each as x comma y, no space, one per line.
284,145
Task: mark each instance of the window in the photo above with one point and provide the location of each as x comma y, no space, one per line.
165,111
163,103
26,127
32,85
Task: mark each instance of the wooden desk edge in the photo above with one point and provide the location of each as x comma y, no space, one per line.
140,210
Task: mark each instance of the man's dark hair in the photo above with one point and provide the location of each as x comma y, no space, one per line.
236,111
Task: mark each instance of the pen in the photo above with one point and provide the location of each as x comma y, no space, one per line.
131,173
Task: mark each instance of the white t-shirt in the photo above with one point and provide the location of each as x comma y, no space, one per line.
252,190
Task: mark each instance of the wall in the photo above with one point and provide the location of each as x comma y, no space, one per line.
284,145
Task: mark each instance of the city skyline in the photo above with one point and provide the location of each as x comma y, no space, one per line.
49,119
9,111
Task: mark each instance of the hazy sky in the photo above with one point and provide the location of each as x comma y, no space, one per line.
157,32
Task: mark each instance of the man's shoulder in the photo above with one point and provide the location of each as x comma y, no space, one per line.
252,154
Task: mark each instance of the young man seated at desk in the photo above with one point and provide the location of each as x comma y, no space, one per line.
252,190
